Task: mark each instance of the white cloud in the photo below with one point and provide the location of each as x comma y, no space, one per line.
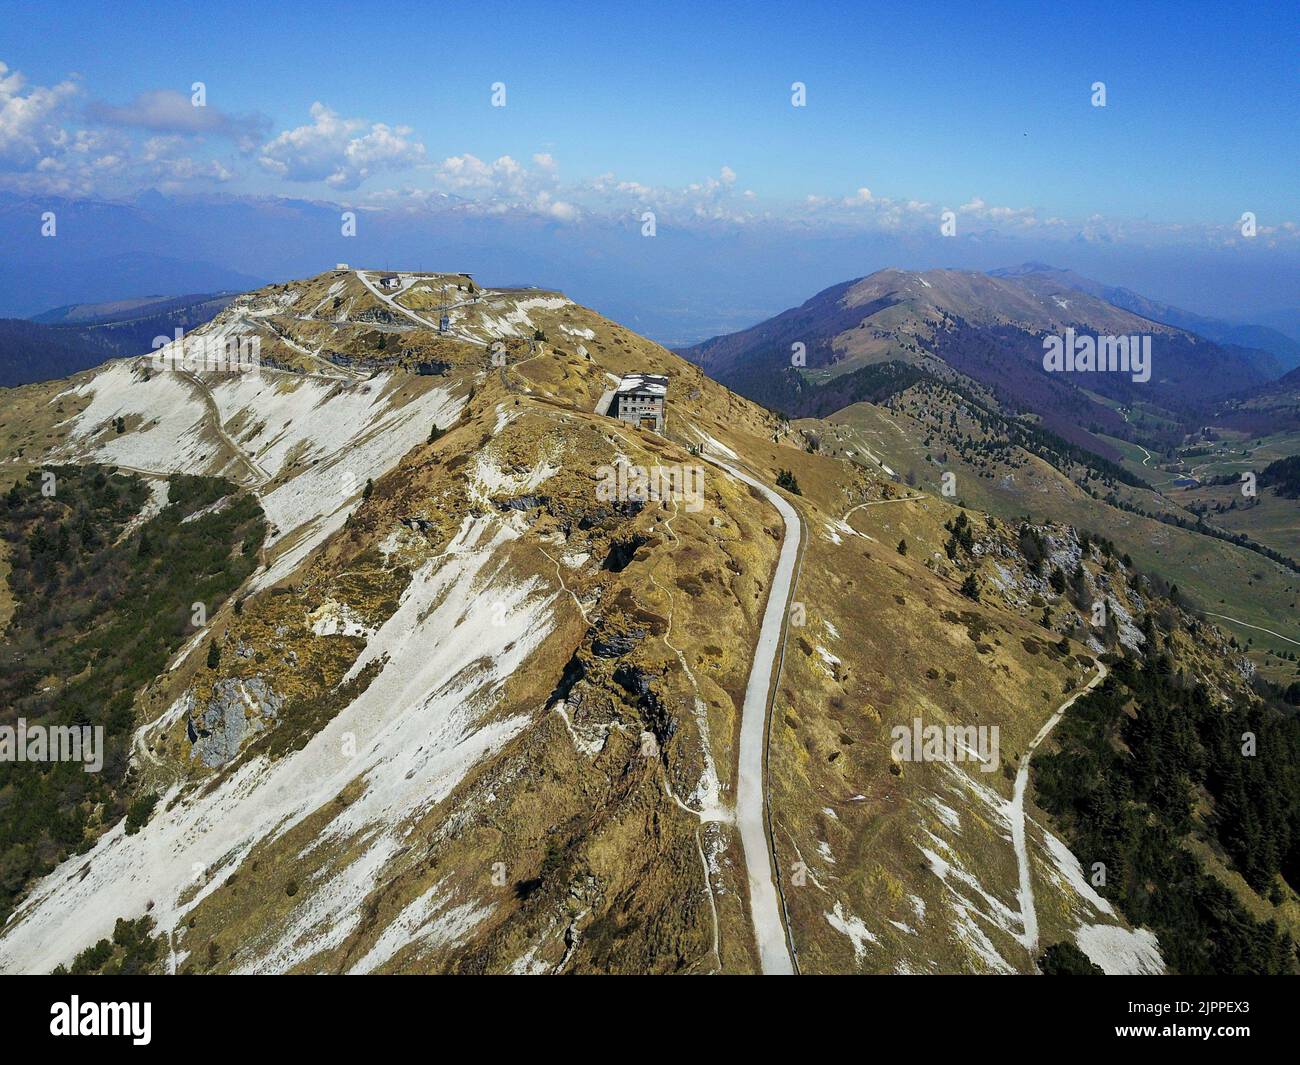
31,126
48,145
505,177
506,185
712,200
342,152
169,111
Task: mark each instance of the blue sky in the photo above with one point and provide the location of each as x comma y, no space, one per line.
944,104
684,109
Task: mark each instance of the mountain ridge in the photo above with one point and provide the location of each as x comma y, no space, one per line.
466,715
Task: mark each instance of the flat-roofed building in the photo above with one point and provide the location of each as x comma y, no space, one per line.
639,400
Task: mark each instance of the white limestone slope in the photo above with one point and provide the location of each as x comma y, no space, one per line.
432,711
311,442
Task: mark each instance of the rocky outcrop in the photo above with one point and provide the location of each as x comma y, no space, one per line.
233,711
617,644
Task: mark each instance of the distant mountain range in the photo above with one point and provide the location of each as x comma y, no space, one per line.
124,311
855,339
1262,337
690,282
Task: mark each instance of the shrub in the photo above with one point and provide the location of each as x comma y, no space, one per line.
1065,959
137,814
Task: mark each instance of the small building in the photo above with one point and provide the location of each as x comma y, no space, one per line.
340,266
639,400
390,281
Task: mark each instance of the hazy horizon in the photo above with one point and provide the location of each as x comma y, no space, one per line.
820,146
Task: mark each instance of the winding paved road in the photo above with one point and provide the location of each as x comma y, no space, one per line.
764,901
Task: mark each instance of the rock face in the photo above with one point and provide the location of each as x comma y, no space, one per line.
378,315
219,728
616,645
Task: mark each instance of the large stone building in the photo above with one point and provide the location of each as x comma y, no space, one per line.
639,400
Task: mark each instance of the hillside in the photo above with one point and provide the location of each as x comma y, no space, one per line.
933,437
1261,338
956,357
471,711
67,339
30,352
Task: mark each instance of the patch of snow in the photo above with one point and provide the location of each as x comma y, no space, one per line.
1120,951
528,964
851,925
505,415
159,490
425,922
946,814
488,479
1072,873
829,659
509,323
918,906
973,936
184,652
212,508
587,739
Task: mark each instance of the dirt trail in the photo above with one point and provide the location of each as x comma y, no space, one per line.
1028,914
